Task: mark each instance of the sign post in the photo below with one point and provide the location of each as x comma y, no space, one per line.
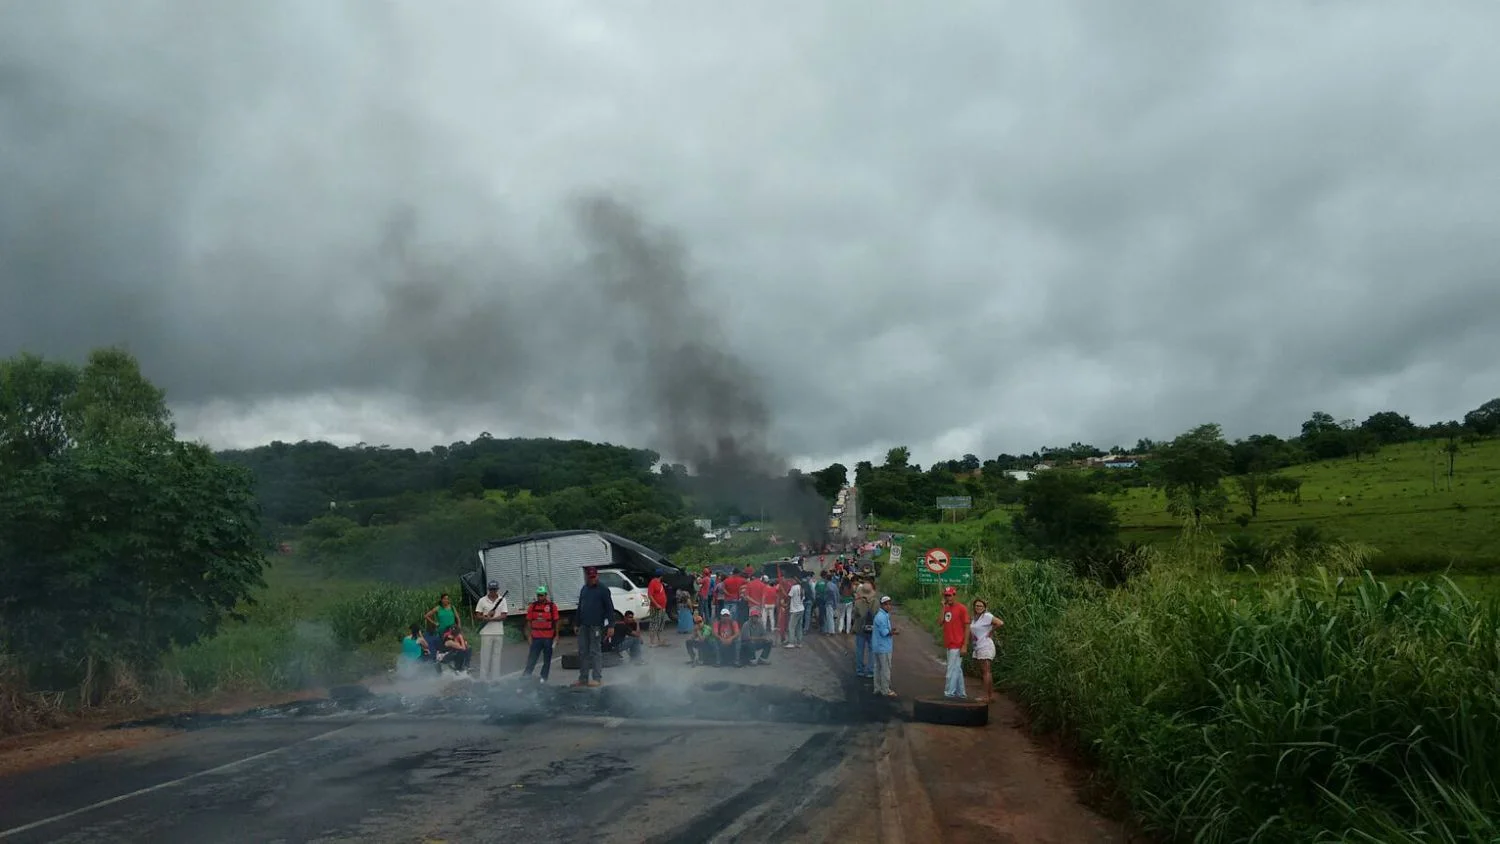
954,503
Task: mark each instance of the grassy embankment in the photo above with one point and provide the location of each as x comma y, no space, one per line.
1389,502
1297,707
1306,703
304,631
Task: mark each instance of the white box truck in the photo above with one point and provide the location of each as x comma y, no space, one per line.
557,560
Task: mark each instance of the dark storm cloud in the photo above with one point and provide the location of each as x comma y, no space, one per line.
973,227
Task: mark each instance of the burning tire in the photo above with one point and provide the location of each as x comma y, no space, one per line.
951,713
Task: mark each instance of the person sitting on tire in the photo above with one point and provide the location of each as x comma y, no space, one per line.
454,652
757,639
625,638
701,646
726,638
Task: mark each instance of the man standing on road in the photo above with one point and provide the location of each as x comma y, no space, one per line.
491,609
594,613
541,628
734,601
795,609
882,646
658,592
955,620
864,617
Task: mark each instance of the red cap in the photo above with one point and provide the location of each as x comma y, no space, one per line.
950,591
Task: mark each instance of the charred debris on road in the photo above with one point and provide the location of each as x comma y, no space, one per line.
516,704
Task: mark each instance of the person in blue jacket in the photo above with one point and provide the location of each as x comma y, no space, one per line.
596,611
882,646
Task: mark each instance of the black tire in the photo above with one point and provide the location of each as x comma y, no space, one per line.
570,662
951,713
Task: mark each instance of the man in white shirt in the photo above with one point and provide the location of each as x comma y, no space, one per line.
794,610
491,610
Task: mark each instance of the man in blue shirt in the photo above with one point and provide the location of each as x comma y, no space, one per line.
596,610
881,646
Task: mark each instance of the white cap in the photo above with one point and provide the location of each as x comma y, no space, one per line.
723,612
884,598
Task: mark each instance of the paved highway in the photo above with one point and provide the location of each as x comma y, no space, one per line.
663,752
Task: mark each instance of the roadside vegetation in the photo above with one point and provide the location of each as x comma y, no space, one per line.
1304,651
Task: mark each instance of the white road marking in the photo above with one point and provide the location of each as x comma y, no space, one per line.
179,781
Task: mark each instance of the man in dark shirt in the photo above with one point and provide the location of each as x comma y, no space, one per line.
595,609
625,637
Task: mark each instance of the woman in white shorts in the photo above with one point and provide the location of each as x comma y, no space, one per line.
982,634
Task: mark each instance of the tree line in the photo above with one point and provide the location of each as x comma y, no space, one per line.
903,491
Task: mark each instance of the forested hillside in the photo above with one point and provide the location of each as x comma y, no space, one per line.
410,515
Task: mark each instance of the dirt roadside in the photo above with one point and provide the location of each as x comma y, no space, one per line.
995,784
93,734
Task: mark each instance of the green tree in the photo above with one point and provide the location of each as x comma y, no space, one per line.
1390,427
1484,419
898,457
1192,469
116,540
829,481
1059,516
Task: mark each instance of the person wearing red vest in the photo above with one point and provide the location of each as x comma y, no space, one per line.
541,628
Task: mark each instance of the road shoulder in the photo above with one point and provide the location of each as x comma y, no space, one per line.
988,783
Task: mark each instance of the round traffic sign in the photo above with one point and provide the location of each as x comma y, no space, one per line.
936,561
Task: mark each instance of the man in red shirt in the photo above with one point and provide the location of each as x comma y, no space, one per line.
955,621
734,601
658,592
541,628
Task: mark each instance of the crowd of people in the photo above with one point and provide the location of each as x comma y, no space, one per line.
731,619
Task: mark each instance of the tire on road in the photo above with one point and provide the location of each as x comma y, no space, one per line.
951,713
570,662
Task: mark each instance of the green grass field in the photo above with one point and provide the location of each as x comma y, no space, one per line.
1388,501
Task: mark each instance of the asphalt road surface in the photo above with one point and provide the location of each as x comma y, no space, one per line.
663,752
849,524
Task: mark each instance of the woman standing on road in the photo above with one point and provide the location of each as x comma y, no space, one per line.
983,630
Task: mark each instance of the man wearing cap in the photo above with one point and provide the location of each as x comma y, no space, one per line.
657,590
596,610
541,628
492,609
882,646
955,621
727,638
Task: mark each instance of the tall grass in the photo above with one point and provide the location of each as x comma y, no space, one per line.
1322,706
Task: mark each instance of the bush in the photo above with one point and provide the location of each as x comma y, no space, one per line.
1305,708
380,614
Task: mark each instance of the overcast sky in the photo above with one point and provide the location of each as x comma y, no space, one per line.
961,226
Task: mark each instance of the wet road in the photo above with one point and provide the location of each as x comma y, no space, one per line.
663,752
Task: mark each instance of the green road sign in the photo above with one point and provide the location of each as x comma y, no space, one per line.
960,572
